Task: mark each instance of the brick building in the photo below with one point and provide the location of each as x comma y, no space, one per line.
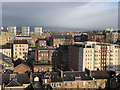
44,58
21,68
57,40
96,37
41,42
80,38
79,80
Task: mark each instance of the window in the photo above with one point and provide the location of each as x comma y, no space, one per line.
70,83
58,84
65,83
100,82
84,83
77,86
53,84
19,45
20,53
42,69
95,82
89,83
45,80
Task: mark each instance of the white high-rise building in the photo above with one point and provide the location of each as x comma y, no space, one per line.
25,31
1,28
12,29
38,31
93,56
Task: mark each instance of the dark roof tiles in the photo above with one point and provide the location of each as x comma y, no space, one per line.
20,42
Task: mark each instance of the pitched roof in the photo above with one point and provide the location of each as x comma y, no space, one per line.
20,42
62,36
40,39
101,74
5,47
70,75
55,77
22,80
18,62
11,79
6,59
8,71
13,82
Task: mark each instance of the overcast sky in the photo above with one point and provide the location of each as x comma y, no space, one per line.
61,15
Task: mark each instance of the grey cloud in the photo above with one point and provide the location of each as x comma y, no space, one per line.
62,15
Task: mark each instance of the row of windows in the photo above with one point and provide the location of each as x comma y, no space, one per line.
20,53
20,45
43,54
19,56
20,49
84,83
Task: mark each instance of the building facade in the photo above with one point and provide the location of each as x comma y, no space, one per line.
6,50
41,42
96,37
38,31
6,37
77,80
12,29
44,58
20,49
57,40
111,37
25,31
93,55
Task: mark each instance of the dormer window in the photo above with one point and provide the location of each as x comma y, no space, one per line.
36,78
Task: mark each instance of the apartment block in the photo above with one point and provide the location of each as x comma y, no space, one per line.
25,31
6,50
20,49
44,57
111,37
57,40
6,37
29,39
38,31
96,37
41,42
94,56
1,28
12,29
